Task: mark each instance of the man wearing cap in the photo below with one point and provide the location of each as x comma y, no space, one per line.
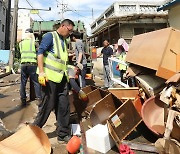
28,65
107,52
52,70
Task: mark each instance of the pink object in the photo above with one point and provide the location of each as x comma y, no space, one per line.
125,149
122,42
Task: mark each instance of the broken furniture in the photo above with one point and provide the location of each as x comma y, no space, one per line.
132,93
123,121
99,106
150,83
166,144
114,107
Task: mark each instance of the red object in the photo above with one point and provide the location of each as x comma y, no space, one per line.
117,67
73,145
125,149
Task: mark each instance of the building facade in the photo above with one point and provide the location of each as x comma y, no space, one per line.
2,23
173,8
126,19
5,19
24,22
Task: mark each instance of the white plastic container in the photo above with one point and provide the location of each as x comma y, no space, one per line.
99,139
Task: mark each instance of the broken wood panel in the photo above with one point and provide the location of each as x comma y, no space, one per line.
123,121
88,89
169,61
152,54
102,110
93,97
124,93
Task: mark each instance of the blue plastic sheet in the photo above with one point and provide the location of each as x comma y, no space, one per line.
4,56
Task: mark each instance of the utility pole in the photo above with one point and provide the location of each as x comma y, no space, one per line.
13,33
8,19
92,14
63,9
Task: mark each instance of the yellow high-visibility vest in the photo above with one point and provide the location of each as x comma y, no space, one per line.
28,51
122,57
55,64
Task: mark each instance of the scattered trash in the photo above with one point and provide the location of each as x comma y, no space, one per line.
75,129
99,139
124,149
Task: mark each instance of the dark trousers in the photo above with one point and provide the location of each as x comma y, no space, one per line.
83,76
122,74
55,96
26,72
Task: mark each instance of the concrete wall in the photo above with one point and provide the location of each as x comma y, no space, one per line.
174,17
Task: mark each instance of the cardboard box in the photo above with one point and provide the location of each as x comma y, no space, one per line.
158,50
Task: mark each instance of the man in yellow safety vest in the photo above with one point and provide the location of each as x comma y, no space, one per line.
52,70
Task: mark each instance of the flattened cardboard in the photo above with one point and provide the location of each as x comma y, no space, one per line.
28,140
157,50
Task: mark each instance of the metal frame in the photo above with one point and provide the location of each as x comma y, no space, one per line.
117,80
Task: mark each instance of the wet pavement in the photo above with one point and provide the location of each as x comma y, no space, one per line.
14,116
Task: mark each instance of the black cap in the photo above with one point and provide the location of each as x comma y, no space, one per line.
29,30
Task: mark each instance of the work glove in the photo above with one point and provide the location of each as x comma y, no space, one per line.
80,66
42,79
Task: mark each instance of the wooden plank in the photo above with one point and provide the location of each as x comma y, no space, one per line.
123,121
102,110
88,89
93,97
124,92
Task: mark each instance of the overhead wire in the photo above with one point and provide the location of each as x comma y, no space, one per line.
33,8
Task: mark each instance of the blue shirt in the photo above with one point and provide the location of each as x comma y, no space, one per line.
47,43
107,52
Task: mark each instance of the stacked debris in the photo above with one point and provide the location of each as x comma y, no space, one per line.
153,58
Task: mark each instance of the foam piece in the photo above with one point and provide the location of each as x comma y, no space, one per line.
99,139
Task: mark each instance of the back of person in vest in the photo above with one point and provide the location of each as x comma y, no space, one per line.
28,66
